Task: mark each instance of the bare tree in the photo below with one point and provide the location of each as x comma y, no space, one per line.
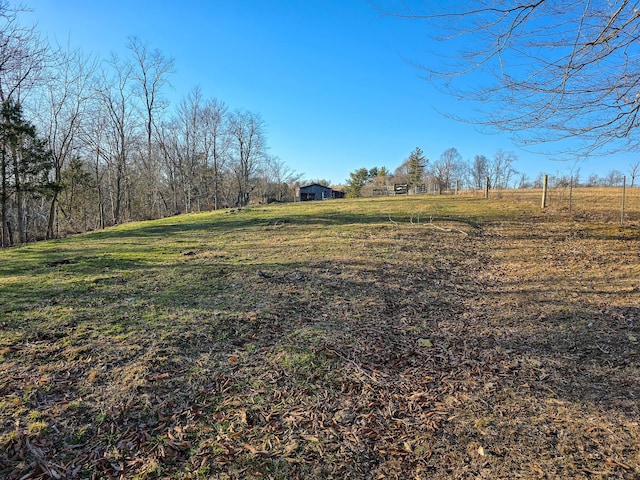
614,178
401,173
634,168
447,168
479,171
593,180
63,112
248,150
501,169
96,151
115,100
24,55
548,71
188,153
168,145
150,72
277,180
216,142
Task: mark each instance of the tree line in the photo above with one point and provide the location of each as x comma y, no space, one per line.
440,176
88,142
450,172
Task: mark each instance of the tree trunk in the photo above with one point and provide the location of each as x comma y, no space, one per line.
100,195
19,197
52,216
4,197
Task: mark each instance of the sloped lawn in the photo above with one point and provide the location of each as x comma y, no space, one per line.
419,337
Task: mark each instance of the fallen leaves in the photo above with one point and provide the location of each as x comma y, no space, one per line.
416,355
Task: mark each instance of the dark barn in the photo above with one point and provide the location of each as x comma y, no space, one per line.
316,191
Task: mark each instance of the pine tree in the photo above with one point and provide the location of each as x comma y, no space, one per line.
417,163
357,179
25,163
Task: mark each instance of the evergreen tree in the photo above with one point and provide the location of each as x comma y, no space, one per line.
383,172
25,164
357,179
417,163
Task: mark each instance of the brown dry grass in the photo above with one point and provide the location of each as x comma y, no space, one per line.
392,338
582,203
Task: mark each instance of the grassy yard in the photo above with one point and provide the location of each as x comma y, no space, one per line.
419,337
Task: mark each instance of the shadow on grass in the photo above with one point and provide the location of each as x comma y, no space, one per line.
588,357
582,355
218,223
170,344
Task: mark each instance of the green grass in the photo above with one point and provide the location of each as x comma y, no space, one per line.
339,339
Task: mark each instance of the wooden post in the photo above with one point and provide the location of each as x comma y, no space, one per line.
486,188
456,193
570,193
624,191
544,191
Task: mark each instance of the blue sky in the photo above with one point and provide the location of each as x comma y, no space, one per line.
330,78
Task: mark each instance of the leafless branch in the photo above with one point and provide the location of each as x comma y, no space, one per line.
549,71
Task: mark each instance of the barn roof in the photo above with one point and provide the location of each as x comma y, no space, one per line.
315,185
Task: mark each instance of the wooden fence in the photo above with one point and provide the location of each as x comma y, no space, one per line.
598,203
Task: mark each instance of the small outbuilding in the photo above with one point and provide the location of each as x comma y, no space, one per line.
315,191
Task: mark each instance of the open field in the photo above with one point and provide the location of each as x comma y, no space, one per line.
416,337
585,203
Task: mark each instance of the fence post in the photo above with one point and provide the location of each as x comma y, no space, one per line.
570,193
544,191
486,188
624,190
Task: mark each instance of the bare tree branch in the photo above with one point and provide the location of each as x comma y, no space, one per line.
546,71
